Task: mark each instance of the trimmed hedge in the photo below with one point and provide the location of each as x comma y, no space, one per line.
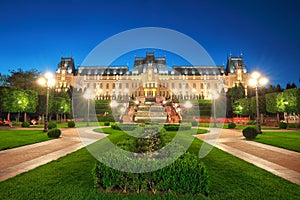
187,175
106,123
231,125
124,127
282,125
176,127
25,124
71,124
250,132
52,125
54,133
108,118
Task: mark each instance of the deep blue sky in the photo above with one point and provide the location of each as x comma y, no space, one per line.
36,34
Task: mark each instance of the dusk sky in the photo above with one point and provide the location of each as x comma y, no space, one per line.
36,34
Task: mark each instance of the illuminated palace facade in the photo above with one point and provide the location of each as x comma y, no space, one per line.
150,77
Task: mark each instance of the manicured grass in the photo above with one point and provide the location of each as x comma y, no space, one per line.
287,140
238,126
202,131
15,138
70,178
77,125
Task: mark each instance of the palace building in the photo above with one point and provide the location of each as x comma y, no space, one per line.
150,77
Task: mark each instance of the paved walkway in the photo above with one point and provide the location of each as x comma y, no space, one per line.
278,161
281,162
17,160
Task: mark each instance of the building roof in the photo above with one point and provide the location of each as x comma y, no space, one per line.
103,70
141,64
198,70
233,63
68,63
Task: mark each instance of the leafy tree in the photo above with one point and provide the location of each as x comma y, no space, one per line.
244,106
278,88
290,85
61,104
6,100
261,105
236,92
291,100
237,108
271,105
23,79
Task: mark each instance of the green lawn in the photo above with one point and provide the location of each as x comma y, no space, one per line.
70,178
65,125
15,138
287,140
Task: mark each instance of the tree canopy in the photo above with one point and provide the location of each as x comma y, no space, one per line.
23,79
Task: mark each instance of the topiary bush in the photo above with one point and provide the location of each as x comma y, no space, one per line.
106,123
250,132
54,133
71,124
282,125
231,125
52,125
25,124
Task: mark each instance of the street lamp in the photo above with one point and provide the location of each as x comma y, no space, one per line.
88,95
256,81
214,96
49,82
19,103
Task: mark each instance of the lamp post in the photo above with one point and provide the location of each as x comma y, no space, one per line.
256,81
88,95
48,81
214,96
19,103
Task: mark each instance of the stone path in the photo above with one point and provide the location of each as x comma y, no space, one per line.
279,161
17,160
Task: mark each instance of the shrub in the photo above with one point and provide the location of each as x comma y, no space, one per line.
176,127
106,123
293,125
25,124
231,125
109,118
282,125
176,177
194,123
251,122
124,127
71,124
54,133
52,125
250,132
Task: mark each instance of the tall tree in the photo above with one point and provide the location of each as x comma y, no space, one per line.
23,79
236,92
271,105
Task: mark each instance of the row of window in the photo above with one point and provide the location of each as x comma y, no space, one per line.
149,85
178,77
